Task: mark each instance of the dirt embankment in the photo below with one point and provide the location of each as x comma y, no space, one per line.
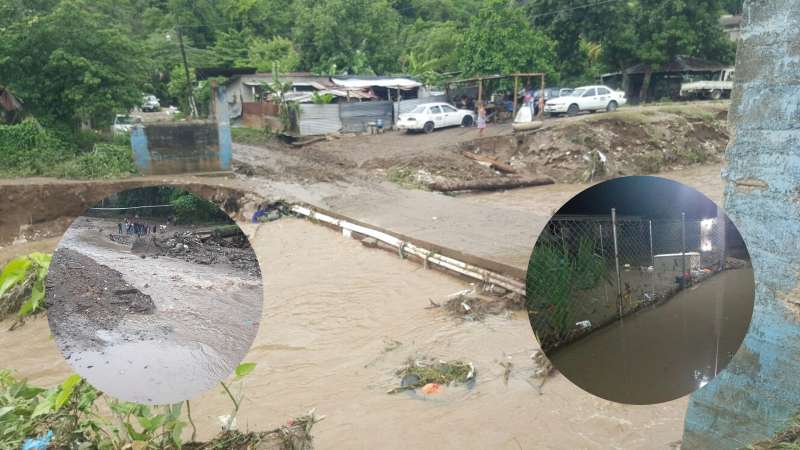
633,140
94,291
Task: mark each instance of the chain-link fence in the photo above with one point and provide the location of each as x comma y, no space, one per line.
587,271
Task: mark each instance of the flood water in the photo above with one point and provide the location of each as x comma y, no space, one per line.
666,352
205,318
326,341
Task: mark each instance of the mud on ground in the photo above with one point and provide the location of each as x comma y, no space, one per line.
82,296
634,140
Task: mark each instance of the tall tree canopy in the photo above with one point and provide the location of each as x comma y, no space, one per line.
500,40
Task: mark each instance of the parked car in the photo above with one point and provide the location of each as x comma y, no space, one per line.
549,94
430,116
150,103
123,123
586,98
721,86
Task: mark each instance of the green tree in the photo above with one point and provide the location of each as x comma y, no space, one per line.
434,44
71,66
352,34
500,41
262,54
668,28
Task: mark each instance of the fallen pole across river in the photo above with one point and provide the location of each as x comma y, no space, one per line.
406,248
491,184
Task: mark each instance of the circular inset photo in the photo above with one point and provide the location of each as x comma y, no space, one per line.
640,290
154,295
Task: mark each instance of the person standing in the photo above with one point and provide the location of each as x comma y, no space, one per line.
481,119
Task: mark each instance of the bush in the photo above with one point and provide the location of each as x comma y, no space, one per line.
28,149
189,208
105,161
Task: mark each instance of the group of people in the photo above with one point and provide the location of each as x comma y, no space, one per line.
135,227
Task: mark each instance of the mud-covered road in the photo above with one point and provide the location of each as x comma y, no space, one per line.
163,328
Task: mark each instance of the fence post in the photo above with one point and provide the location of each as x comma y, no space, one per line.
683,249
605,262
652,261
616,259
721,228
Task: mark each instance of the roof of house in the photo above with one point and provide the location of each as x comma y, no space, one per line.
9,101
679,64
361,82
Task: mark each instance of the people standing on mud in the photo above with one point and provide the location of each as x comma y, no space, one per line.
481,119
119,228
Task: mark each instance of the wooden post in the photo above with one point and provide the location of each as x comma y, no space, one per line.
516,93
541,98
480,90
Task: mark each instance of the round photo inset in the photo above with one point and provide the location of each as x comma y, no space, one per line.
640,290
154,295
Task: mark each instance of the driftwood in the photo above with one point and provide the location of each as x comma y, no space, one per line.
491,162
308,142
490,184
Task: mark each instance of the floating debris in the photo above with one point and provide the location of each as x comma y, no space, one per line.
419,373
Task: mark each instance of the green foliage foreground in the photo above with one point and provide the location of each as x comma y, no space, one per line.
72,416
22,285
29,149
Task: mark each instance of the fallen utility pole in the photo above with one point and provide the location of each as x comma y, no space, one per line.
408,249
490,184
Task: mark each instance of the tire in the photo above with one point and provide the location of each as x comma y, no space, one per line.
612,106
573,110
429,127
467,121
716,94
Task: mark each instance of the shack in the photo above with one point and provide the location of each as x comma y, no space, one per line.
10,104
665,81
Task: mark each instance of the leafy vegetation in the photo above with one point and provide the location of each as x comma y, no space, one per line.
29,149
70,415
417,374
555,274
190,208
22,285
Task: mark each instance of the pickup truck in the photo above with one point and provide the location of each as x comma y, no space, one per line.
715,89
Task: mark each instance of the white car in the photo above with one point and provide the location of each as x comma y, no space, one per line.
586,98
430,116
123,123
150,103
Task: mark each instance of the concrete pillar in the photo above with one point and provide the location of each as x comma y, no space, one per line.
760,390
222,117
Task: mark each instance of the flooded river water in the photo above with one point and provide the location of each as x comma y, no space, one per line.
204,320
665,352
332,311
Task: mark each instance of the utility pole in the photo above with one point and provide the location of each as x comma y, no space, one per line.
189,95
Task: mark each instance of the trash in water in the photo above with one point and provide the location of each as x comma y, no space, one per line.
584,324
431,388
422,373
39,443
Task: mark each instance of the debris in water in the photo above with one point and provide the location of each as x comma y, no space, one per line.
419,373
431,388
544,368
471,305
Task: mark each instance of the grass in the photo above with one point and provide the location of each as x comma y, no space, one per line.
405,177
788,439
251,136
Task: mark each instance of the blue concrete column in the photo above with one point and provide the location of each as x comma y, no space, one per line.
141,153
223,126
760,391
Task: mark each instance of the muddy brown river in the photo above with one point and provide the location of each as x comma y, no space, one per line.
332,309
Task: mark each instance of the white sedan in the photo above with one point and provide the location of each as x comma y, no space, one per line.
586,98
430,116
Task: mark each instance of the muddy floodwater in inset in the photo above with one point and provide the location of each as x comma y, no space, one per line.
154,295
640,290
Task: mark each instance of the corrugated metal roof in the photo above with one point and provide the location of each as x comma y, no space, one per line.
366,82
680,64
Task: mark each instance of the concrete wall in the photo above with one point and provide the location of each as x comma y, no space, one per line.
760,390
162,148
